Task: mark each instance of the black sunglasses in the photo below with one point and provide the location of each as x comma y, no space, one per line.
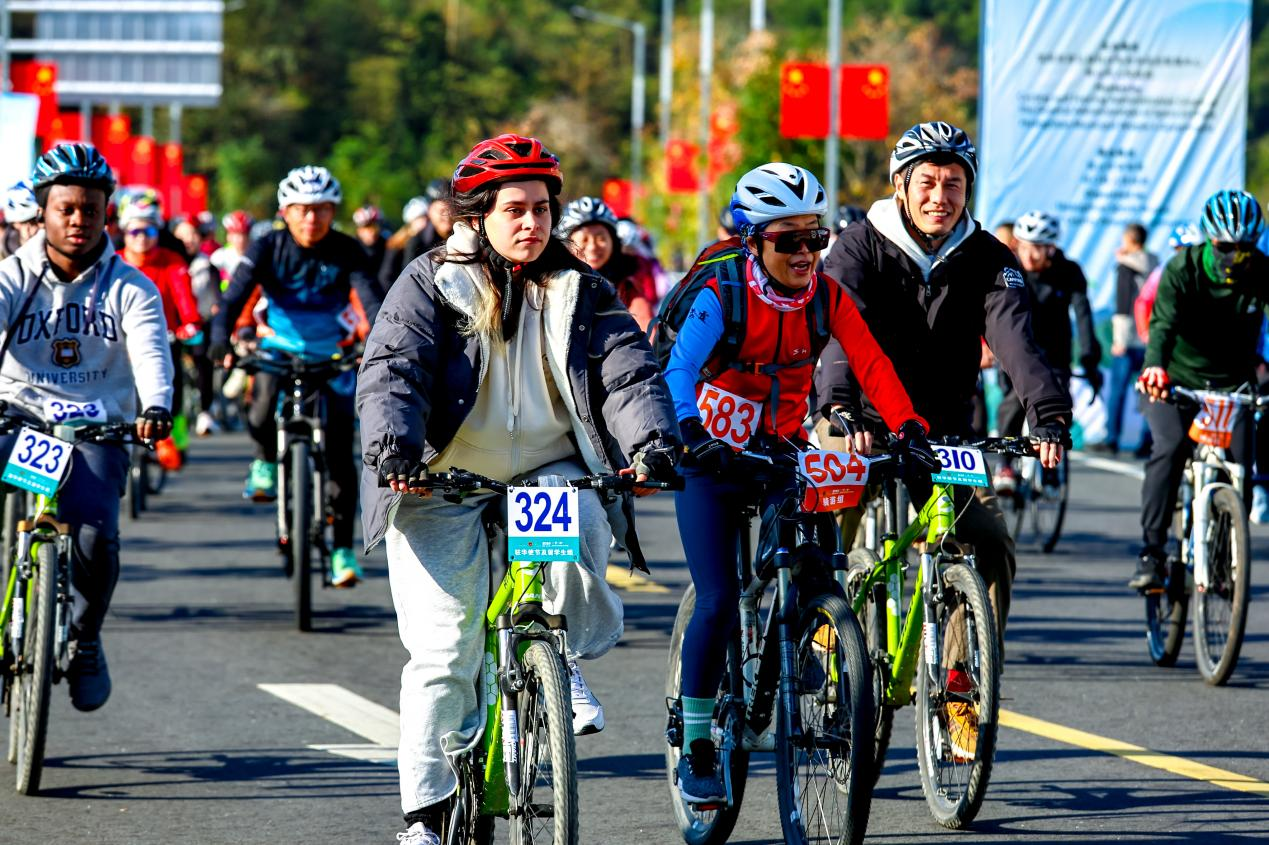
790,242
1227,246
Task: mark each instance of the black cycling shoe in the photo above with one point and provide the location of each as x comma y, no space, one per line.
89,678
1150,572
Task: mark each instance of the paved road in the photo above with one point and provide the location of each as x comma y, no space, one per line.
191,749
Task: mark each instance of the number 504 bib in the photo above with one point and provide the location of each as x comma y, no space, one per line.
543,524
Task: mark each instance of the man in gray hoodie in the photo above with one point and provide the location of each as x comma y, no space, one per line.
1132,265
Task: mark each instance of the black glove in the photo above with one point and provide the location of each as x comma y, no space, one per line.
1092,374
160,418
704,451
656,462
1054,431
397,468
218,351
851,416
916,447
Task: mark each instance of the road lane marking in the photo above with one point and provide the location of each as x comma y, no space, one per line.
366,753
632,582
381,725
1135,753
1107,465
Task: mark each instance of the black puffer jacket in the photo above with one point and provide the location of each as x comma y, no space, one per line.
930,330
1056,293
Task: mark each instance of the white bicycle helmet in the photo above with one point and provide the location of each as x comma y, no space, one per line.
19,204
936,139
775,191
1183,235
309,185
585,210
415,208
1037,227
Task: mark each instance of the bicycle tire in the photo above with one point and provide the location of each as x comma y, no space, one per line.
954,788
873,623
136,484
1048,507
300,535
1167,609
14,503
824,764
545,717
1220,611
698,826
35,685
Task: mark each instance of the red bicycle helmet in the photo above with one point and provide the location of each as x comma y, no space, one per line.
237,222
507,158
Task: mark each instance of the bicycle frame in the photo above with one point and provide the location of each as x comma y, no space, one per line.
30,534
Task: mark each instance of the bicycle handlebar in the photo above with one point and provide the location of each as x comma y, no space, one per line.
1239,396
123,433
288,364
458,480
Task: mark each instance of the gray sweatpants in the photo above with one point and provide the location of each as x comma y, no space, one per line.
438,565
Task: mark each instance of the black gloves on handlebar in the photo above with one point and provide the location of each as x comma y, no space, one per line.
656,462
1054,431
400,469
701,449
853,419
920,456
160,418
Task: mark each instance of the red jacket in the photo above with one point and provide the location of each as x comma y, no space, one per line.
170,275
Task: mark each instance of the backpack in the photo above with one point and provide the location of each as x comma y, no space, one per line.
725,261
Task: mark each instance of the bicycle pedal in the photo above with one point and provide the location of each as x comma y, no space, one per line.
714,805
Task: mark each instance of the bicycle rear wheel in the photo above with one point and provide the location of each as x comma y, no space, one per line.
300,537
824,751
34,684
1220,610
547,800
708,826
1166,609
873,624
957,709
1048,503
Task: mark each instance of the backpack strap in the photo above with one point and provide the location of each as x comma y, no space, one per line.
729,277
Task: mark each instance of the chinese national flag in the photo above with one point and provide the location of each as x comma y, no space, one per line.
195,201
172,177
66,127
865,103
803,100
141,167
38,78
619,196
680,166
110,135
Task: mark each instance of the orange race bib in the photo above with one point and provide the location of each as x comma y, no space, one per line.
1214,423
732,419
835,480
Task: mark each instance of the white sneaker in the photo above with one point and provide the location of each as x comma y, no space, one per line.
1259,505
205,425
418,834
588,713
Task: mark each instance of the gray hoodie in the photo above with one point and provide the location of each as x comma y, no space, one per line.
100,338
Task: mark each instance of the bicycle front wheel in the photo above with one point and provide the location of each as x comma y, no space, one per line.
1220,610
547,802
34,684
1048,504
873,623
824,748
137,484
300,537
958,700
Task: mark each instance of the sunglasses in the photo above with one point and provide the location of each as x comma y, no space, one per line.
1226,246
148,231
789,243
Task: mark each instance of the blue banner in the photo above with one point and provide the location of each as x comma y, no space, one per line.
1110,113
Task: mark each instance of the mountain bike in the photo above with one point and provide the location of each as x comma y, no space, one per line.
797,681
35,617
1213,567
949,632
146,477
524,765
1041,494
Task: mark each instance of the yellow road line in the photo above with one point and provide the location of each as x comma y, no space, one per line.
633,582
1135,753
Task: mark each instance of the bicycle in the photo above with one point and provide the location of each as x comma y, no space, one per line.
949,630
1213,566
35,617
800,661
146,477
303,508
1041,494
523,767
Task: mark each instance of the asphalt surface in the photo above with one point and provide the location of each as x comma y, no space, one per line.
191,749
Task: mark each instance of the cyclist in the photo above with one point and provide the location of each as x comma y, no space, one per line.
80,325
591,227
21,217
369,223
779,210
140,223
414,217
931,284
504,354
726,225
306,273
1057,289
237,226
1204,334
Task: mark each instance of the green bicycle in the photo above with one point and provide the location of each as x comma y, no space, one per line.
949,633
35,572
524,766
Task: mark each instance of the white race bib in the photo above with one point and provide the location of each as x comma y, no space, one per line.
543,523
961,465
730,418
836,479
37,462
62,411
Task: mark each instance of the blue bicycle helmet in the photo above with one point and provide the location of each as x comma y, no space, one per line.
1233,217
73,164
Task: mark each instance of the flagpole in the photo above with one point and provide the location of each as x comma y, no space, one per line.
834,103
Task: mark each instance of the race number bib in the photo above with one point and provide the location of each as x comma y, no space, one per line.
543,524
961,465
1214,423
37,462
74,413
732,419
348,319
835,480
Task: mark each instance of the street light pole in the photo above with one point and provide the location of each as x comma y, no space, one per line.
707,73
666,70
757,15
834,102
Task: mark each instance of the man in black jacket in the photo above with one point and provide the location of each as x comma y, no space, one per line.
930,282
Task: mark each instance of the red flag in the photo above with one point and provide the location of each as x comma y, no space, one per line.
110,135
172,177
66,127
803,101
724,149
38,78
618,194
195,201
680,166
141,167
865,102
